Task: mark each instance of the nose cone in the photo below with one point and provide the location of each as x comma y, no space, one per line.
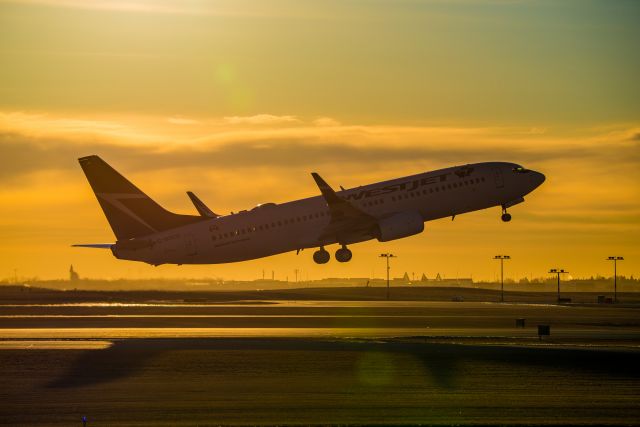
536,179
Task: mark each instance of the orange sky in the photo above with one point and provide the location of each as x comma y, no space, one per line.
588,207
239,103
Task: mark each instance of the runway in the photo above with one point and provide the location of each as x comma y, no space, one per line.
318,362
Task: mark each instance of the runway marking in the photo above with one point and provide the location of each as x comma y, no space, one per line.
54,344
295,316
348,332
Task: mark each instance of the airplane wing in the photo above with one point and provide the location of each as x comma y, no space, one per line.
203,209
347,220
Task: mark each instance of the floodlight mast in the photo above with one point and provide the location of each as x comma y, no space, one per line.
502,258
615,260
558,272
387,256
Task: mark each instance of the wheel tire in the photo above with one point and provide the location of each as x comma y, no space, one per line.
506,217
321,256
343,255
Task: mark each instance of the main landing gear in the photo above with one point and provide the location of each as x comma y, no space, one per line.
506,217
321,256
343,254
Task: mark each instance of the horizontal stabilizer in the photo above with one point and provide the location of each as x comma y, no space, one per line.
94,245
202,209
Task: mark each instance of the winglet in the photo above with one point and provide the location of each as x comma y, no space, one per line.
338,206
327,192
203,209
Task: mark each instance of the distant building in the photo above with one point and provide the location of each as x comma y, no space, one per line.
73,275
423,278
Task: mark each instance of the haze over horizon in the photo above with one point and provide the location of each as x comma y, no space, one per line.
239,101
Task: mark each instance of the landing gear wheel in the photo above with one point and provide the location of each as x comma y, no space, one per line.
343,254
321,256
506,217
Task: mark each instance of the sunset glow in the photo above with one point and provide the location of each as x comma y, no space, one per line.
239,102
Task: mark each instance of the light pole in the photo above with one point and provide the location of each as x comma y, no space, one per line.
502,258
387,256
558,272
615,260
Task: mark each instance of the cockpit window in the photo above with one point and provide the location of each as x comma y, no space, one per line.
520,169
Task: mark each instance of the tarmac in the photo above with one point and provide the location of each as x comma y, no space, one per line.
285,362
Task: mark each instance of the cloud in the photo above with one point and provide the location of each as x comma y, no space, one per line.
182,121
326,121
31,142
261,119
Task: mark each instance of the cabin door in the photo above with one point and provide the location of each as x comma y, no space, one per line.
497,176
190,245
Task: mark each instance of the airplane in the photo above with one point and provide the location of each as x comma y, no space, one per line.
385,211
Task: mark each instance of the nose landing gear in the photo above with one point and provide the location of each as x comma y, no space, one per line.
506,217
343,254
321,256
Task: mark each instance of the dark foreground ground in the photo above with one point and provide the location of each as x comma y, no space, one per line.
143,363
310,381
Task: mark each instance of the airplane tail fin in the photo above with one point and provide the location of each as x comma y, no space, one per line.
130,212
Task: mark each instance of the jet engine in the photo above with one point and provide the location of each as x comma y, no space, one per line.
400,225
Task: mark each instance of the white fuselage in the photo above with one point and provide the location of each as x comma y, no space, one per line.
271,229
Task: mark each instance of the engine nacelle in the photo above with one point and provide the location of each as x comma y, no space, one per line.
400,225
